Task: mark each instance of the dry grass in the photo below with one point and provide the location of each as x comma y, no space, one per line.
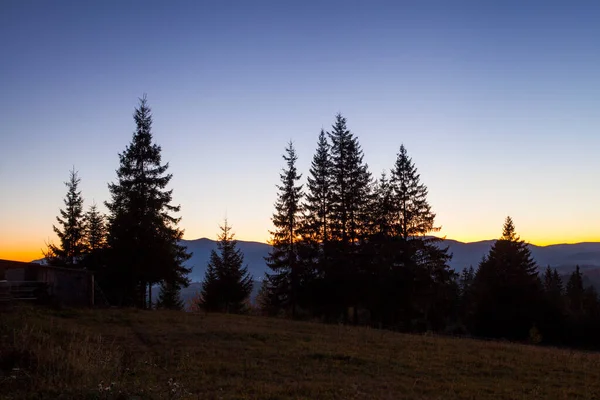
147,354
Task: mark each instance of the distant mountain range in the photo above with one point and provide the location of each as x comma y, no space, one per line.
563,257
254,257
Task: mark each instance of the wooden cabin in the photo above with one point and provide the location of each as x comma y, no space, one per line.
30,281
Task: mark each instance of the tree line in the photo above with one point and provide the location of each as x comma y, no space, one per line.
354,249
346,247
136,246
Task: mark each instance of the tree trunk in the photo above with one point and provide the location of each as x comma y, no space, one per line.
142,295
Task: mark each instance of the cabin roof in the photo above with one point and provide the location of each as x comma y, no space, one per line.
10,264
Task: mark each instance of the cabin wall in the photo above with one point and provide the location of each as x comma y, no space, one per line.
71,287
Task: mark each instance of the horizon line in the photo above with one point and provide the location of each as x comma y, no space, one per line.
443,238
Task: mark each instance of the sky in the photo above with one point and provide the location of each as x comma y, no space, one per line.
496,102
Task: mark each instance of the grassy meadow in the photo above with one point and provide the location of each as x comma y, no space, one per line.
127,354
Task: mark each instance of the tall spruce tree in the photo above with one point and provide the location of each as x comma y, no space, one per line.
350,186
315,225
423,278
380,249
284,280
414,217
142,232
351,195
71,229
227,283
506,289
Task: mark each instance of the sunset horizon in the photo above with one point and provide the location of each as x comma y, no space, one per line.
27,255
320,199
497,109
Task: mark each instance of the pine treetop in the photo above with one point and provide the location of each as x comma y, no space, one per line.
71,229
317,204
511,256
508,231
414,215
95,229
351,185
288,206
227,283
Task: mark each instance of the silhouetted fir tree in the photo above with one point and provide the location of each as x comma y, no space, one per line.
464,297
169,296
95,229
349,223
227,284
350,188
286,276
590,303
142,232
381,223
583,312
575,292
383,208
591,308
553,285
263,302
314,226
467,277
71,229
380,248
553,316
94,239
507,290
211,286
425,288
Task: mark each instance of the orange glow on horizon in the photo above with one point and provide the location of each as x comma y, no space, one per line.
26,255
24,251
535,240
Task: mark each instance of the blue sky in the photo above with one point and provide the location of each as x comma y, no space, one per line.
497,103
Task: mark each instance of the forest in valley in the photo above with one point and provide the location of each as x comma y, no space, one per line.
347,247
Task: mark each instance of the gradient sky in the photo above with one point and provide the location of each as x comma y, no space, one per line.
498,103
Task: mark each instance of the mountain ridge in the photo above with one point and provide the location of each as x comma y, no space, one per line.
444,239
563,256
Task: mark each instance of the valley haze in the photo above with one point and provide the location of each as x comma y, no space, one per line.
563,257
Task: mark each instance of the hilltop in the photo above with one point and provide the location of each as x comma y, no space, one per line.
110,354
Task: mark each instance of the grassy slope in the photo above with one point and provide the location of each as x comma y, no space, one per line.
178,355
